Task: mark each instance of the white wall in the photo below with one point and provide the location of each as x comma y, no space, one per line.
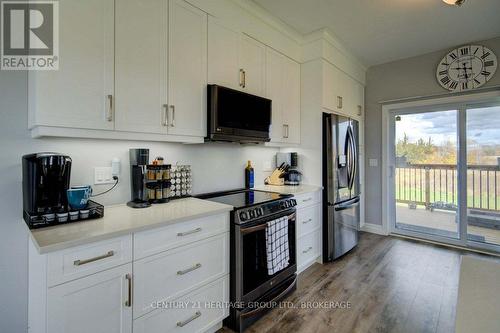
215,167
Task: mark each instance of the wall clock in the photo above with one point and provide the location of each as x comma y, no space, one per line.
466,67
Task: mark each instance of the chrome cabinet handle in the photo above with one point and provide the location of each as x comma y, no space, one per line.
109,113
128,302
190,269
172,123
185,233
360,110
287,131
244,78
86,261
284,131
307,250
306,200
241,78
339,102
190,319
165,114
306,221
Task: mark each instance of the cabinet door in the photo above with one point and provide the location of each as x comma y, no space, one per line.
141,60
332,88
80,93
223,67
96,304
274,91
252,59
291,100
187,69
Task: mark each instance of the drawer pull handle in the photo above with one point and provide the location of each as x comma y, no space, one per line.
185,233
306,221
190,269
190,319
306,200
128,302
307,250
86,261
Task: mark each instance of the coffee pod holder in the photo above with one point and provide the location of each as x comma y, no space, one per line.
92,211
182,181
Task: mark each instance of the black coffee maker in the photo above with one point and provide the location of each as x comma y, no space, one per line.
139,159
46,178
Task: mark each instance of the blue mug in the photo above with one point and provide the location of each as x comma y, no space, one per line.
78,196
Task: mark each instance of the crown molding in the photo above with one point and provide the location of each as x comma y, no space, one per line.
262,14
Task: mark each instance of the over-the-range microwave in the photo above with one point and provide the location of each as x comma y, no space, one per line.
236,116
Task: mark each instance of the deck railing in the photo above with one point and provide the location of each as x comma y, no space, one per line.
435,185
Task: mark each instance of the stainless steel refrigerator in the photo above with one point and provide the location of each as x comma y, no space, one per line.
341,193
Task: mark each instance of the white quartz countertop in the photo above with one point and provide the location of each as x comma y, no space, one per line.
288,189
121,220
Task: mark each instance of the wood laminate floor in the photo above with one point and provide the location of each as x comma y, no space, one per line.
391,284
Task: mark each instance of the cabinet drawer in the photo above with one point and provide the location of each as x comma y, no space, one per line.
308,219
308,199
170,274
151,242
88,259
308,248
193,316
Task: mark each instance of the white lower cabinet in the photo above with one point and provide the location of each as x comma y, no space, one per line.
99,303
196,312
309,225
101,287
170,274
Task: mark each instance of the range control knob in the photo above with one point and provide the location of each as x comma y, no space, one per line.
252,214
260,212
283,205
243,216
294,202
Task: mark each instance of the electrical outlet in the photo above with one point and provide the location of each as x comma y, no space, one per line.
102,175
373,162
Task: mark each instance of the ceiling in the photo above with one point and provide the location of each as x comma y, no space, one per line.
380,31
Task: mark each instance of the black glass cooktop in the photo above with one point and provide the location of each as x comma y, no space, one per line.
243,198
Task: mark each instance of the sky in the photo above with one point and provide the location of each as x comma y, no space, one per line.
483,126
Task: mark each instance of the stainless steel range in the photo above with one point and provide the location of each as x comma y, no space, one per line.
263,264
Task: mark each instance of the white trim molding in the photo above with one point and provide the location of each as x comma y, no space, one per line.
374,229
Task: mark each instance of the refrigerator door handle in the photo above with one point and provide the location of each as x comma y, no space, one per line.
352,157
347,205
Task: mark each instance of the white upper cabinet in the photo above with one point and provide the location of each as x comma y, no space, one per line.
235,60
160,92
141,64
223,64
283,88
187,69
341,93
80,94
252,59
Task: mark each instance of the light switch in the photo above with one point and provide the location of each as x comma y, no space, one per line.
373,162
102,175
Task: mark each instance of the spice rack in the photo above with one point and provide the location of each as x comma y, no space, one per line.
158,183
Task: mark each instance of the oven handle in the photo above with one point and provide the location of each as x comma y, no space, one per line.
263,226
283,293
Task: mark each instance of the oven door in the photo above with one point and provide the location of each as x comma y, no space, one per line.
250,274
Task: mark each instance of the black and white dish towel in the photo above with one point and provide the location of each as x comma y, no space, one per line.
278,254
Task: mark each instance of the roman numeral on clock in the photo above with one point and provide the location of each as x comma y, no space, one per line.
477,49
465,85
445,64
445,80
464,51
453,85
485,55
477,81
485,73
489,63
453,56
443,72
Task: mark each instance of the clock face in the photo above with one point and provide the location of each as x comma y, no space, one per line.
467,67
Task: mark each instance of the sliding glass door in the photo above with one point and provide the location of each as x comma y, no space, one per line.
483,174
445,174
